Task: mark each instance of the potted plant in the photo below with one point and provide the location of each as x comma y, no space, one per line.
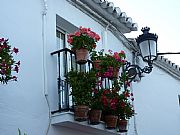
82,84
96,57
111,64
96,106
124,110
83,41
110,101
8,66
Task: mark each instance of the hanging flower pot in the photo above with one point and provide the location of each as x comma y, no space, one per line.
94,116
122,125
82,55
83,38
111,121
81,112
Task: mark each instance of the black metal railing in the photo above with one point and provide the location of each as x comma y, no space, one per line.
65,63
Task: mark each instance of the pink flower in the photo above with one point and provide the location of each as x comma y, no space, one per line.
16,50
18,63
16,68
91,34
70,40
2,40
110,51
84,30
122,52
77,33
116,56
14,78
123,61
97,37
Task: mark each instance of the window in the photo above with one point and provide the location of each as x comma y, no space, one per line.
60,39
65,62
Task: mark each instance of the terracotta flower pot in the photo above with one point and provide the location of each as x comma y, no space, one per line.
81,112
82,55
94,116
111,121
122,125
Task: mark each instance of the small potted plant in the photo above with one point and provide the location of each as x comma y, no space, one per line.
96,57
8,65
82,84
83,41
96,106
124,110
110,102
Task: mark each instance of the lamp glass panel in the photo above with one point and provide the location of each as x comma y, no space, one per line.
144,48
153,49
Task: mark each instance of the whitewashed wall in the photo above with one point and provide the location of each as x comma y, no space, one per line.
23,104
157,105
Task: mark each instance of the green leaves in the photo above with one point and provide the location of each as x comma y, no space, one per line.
82,84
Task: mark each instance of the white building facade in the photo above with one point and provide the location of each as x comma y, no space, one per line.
40,27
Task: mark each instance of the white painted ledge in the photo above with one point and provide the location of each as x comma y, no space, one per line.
66,119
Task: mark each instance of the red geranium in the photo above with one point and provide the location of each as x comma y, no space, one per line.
83,38
125,108
110,101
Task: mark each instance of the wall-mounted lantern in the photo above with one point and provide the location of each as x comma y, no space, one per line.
147,44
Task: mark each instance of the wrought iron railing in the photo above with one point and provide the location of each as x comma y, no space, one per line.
65,63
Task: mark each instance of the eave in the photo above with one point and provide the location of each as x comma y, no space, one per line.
107,13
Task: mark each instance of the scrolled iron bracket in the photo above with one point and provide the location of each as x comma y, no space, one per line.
132,70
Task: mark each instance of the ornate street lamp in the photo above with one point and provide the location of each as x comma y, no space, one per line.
147,43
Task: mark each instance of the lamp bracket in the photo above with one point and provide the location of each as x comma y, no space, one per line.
133,70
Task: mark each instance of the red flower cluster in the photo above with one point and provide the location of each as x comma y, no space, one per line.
110,63
83,38
120,56
125,108
110,101
7,63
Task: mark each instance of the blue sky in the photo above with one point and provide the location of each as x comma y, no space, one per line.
162,16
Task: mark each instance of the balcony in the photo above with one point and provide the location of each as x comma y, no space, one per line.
64,116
